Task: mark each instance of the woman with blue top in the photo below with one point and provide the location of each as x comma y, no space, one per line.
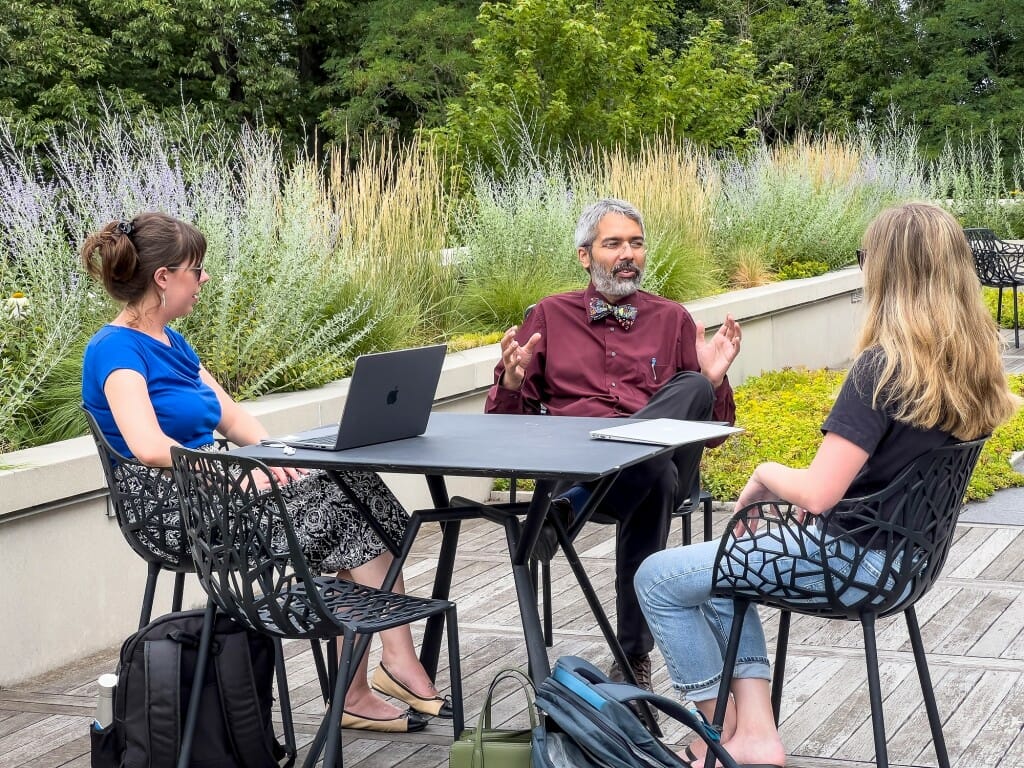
148,391
928,373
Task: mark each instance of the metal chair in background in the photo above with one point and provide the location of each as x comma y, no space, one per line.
999,264
251,565
912,520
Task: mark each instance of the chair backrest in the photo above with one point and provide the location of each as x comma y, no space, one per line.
996,265
912,520
145,502
246,553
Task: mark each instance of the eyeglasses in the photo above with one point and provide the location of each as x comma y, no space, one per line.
618,247
861,253
198,270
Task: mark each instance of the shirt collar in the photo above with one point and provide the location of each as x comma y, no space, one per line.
635,298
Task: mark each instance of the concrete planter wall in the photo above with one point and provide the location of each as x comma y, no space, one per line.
71,586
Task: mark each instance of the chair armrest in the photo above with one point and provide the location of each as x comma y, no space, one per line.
766,514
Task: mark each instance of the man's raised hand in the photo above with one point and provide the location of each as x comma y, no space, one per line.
516,358
716,354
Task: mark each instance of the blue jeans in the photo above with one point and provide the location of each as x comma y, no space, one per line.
692,629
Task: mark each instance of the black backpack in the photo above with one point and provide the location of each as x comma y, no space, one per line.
154,681
590,724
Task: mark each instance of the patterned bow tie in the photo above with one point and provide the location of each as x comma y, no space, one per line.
624,313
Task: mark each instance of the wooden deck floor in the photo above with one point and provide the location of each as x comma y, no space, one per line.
973,626
972,622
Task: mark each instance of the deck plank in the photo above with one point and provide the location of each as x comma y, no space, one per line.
972,622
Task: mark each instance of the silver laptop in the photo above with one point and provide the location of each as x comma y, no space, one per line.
664,431
389,398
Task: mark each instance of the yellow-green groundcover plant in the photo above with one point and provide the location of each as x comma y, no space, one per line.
781,413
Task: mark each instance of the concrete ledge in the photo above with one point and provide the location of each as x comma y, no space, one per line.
787,296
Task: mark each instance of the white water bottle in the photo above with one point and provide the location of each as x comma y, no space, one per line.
105,701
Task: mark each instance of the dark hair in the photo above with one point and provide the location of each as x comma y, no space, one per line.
124,255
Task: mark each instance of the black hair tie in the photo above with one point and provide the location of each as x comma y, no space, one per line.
124,227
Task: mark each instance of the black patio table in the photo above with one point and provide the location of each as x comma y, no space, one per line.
554,451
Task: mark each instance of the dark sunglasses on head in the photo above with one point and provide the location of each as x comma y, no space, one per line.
860,258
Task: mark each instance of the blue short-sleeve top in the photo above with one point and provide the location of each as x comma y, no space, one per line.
186,408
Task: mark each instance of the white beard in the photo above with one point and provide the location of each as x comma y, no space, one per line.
612,287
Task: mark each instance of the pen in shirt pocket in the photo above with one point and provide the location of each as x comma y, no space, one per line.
654,372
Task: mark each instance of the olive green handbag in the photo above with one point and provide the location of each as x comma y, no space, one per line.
486,747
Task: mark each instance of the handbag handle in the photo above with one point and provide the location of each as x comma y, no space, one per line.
484,721
525,683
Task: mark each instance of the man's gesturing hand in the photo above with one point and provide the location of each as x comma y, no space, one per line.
516,358
716,354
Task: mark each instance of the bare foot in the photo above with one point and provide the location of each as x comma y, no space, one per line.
745,751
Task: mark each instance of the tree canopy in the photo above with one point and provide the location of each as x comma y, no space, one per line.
318,71
587,73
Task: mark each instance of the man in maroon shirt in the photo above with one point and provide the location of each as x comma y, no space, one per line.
614,350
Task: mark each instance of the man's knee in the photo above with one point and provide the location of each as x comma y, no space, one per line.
695,392
687,395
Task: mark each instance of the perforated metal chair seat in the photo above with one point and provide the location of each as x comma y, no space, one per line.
365,609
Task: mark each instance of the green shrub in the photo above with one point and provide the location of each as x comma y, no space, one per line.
794,207
782,413
517,230
991,298
798,269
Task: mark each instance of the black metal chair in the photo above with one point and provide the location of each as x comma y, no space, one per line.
235,531
912,520
999,264
145,503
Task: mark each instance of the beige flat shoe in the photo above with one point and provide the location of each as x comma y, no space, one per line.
386,683
406,723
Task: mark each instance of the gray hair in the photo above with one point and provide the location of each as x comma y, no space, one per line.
586,227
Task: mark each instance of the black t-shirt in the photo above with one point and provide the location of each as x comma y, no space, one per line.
891,445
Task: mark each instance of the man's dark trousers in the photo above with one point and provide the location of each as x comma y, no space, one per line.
644,497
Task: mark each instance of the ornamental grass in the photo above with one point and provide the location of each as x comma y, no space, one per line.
316,261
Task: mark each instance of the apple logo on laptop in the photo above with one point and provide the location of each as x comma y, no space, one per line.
392,396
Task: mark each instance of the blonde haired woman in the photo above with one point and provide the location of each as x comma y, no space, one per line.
928,372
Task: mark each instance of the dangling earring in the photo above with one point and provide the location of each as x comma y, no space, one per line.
163,299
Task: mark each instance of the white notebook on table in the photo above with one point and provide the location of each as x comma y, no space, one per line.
664,431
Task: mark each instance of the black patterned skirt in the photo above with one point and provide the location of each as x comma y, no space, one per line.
332,533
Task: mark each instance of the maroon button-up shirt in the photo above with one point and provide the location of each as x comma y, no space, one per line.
581,368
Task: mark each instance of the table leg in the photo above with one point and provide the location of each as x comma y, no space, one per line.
433,633
565,539
521,540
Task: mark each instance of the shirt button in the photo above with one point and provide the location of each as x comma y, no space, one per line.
613,354
613,383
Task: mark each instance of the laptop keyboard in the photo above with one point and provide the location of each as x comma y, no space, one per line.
327,441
